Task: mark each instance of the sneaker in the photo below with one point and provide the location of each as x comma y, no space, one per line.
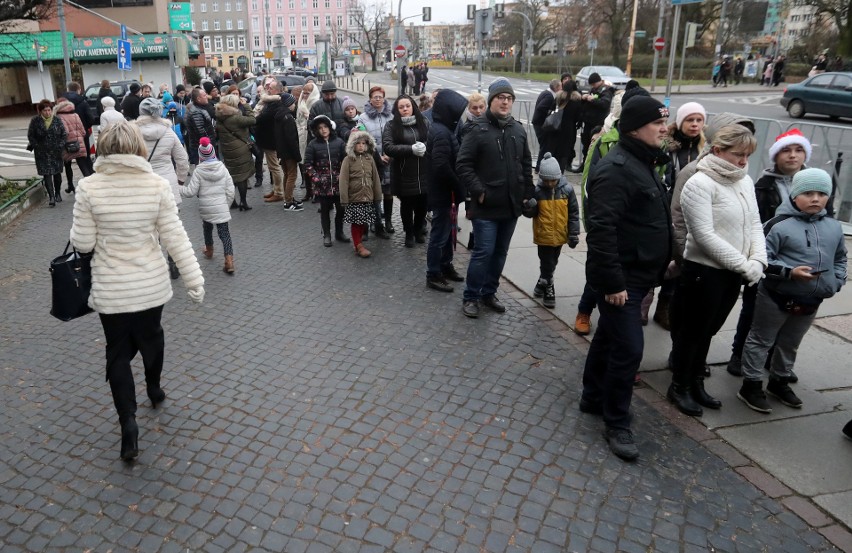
751,393
294,206
494,304
735,365
549,296
583,324
540,286
790,379
438,283
471,309
621,443
780,390
450,273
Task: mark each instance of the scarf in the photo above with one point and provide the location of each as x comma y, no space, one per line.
720,170
408,121
47,121
645,153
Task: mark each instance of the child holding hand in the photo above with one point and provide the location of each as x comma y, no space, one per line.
360,186
556,221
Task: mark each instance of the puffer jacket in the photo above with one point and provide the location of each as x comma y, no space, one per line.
772,190
198,124
496,162
408,171
123,213
322,164
333,110
265,132
374,121
166,154
713,125
556,215
82,109
442,148
109,116
48,144
73,128
234,142
359,177
795,238
722,221
214,187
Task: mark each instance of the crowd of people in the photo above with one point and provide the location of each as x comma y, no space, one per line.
663,205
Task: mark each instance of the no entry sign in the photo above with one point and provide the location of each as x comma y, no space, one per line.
659,44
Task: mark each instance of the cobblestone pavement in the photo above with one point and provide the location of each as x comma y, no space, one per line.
322,402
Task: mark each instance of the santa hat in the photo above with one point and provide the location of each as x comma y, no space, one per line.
793,136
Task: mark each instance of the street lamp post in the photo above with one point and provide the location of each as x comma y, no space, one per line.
528,45
397,39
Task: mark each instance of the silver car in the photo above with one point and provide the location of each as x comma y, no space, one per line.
609,73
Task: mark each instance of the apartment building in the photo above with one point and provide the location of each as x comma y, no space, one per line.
223,28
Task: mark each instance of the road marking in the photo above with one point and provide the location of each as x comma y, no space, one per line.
750,100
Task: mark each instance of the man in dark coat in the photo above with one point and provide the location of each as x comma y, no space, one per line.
198,124
544,104
130,104
81,108
596,104
495,164
629,240
330,106
446,191
287,147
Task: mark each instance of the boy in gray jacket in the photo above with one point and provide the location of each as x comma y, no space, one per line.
807,263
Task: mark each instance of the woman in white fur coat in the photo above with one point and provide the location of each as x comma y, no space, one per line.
123,213
724,247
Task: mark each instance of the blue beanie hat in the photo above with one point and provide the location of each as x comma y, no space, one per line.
499,86
811,180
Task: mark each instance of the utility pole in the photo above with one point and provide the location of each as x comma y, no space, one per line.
60,10
720,29
632,40
657,53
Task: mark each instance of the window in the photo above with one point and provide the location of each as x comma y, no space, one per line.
292,22
238,6
280,21
316,22
352,21
204,25
327,21
255,24
227,6
339,3
268,42
241,24
257,41
340,38
292,40
292,4
841,82
304,4
304,40
304,21
327,4
340,21
241,42
204,7
315,4
230,43
229,25
217,26
279,5
254,5
820,81
215,6
207,44
217,42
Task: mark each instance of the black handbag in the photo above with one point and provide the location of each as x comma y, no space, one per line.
71,276
72,146
553,121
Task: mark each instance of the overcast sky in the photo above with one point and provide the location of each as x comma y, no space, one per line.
443,11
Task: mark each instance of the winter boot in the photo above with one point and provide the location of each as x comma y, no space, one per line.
70,189
129,438
242,187
208,251
57,192
702,398
681,397
229,264
780,390
380,230
409,239
751,393
549,300
50,193
540,287
389,225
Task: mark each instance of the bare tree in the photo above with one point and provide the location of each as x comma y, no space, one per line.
13,11
414,34
371,28
839,11
513,28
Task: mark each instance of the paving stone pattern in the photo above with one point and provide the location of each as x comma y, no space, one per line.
322,402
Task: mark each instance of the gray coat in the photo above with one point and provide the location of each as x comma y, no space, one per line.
48,145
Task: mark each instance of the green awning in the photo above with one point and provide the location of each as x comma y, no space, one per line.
19,48
105,48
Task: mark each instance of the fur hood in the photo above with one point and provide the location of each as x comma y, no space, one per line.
372,112
354,137
64,107
117,164
224,110
677,140
304,107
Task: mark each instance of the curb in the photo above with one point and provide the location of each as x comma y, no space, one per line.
20,204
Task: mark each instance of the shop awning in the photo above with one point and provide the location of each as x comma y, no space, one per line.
19,48
105,48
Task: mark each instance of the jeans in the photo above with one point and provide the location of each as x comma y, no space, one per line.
588,301
614,357
488,257
439,253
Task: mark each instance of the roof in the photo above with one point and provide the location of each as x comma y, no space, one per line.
19,48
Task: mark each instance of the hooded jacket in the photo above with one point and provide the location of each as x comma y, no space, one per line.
81,108
264,133
124,212
795,238
323,158
73,128
163,147
442,148
234,141
716,122
556,215
359,177
214,187
303,115
408,171
495,161
373,121
772,190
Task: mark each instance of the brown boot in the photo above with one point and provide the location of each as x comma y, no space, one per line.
207,251
362,251
229,264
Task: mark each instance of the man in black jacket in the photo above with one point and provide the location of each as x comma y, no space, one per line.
266,137
596,104
198,124
287,147
495,164
81,108
330,106
629,240
130,104
544,104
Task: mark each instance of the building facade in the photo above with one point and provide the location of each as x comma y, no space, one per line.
223,28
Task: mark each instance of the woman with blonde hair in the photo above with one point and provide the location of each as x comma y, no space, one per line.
232,126
724,247
130,280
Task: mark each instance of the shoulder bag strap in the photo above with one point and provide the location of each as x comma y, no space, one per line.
154,149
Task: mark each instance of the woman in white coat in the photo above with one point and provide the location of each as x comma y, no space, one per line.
123,213
166,154
724,247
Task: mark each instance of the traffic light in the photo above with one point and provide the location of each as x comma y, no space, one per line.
293,56
471,11
427,14
499,11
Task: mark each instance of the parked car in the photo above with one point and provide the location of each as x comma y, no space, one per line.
301,72
616,76
249,91
824,94
119,88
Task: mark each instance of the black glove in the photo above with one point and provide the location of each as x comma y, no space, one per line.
572,242
30,147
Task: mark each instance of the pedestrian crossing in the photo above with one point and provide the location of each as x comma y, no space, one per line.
13,151
750,100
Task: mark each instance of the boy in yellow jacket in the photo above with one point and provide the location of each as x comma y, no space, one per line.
556,221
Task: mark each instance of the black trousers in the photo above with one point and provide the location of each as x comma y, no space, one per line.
548,257
326,205
412,211
702,301
126,335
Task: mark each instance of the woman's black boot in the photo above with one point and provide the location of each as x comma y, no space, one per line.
702,398
681,397
243,189
129,439
50,194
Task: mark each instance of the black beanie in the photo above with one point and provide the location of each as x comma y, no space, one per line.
594,78
208,86
640,111
632,92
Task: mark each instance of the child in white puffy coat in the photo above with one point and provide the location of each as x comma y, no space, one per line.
214,187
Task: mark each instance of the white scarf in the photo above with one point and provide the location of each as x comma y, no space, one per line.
720,170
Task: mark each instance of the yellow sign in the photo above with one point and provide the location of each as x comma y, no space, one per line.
267,55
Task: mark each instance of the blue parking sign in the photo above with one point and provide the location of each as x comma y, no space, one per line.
124,61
